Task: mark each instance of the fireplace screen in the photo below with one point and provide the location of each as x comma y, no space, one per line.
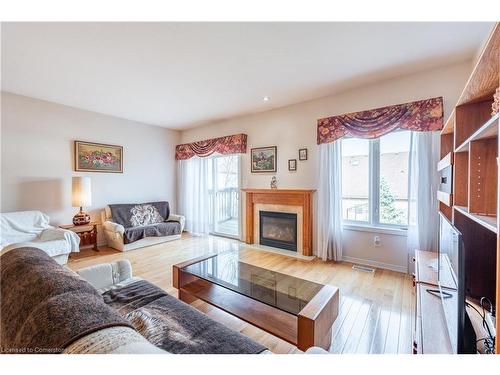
278,229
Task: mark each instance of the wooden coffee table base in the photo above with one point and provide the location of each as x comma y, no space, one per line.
311,327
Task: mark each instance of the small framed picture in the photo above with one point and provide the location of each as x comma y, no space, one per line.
292,164
303,154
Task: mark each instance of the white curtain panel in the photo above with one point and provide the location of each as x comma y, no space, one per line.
423,225
194,195
330,202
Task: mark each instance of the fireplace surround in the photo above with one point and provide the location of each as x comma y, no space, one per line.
298,201
278,229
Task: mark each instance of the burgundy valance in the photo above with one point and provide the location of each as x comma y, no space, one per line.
231,144
422,115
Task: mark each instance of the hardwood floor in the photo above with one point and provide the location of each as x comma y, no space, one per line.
376,309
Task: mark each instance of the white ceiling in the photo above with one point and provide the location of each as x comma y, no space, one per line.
180,75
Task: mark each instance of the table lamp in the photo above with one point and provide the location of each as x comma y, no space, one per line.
81,197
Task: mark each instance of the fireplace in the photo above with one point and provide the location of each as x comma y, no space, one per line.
297,201
278,229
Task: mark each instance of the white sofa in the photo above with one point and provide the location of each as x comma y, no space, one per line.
114,233
31,228
115,340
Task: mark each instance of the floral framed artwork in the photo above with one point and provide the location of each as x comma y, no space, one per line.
263,159
292,165
98,157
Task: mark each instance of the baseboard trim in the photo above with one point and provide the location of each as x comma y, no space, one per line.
373,263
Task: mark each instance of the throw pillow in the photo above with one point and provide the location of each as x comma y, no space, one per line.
145,214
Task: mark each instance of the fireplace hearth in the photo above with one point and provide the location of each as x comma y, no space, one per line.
278,229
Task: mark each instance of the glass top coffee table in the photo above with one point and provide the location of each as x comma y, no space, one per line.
299,311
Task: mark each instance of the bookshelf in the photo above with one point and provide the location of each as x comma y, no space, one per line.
470,144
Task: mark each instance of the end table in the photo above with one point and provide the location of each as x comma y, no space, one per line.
86,232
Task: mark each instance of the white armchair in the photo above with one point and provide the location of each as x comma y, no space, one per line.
114,233
31,228
107,276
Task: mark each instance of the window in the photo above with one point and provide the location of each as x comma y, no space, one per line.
355,179
375,180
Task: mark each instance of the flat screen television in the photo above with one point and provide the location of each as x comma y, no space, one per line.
451,281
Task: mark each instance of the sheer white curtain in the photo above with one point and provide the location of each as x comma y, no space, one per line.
422,201
194,195
330,202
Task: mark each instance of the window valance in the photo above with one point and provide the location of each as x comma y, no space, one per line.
231,144
422,115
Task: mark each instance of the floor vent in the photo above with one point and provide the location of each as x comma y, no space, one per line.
358,267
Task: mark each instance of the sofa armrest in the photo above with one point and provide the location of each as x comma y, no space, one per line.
113,227
57,234
181,219
54,234
106,275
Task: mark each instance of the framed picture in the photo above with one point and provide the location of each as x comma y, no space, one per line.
303,154
292,164
263,159
97,157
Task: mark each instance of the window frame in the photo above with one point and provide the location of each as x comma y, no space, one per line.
374,192
213,178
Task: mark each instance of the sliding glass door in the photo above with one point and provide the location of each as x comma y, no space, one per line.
224,191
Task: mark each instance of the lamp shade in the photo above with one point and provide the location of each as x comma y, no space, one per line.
82,192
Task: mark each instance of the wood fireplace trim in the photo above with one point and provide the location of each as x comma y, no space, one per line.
288,197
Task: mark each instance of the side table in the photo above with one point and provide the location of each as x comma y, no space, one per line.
87,233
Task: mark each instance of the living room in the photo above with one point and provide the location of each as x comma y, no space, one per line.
250,187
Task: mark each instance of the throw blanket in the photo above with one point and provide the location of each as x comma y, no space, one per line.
21,226
167,228
31,228
136,215
46,307
175,326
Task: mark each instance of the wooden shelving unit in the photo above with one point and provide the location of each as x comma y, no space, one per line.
470,143
489,222
488,130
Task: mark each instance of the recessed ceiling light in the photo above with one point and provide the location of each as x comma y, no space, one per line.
266,98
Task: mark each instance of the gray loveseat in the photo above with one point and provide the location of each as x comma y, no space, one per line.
117,229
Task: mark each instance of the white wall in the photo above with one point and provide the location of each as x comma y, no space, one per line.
37,158
294,127
37,151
